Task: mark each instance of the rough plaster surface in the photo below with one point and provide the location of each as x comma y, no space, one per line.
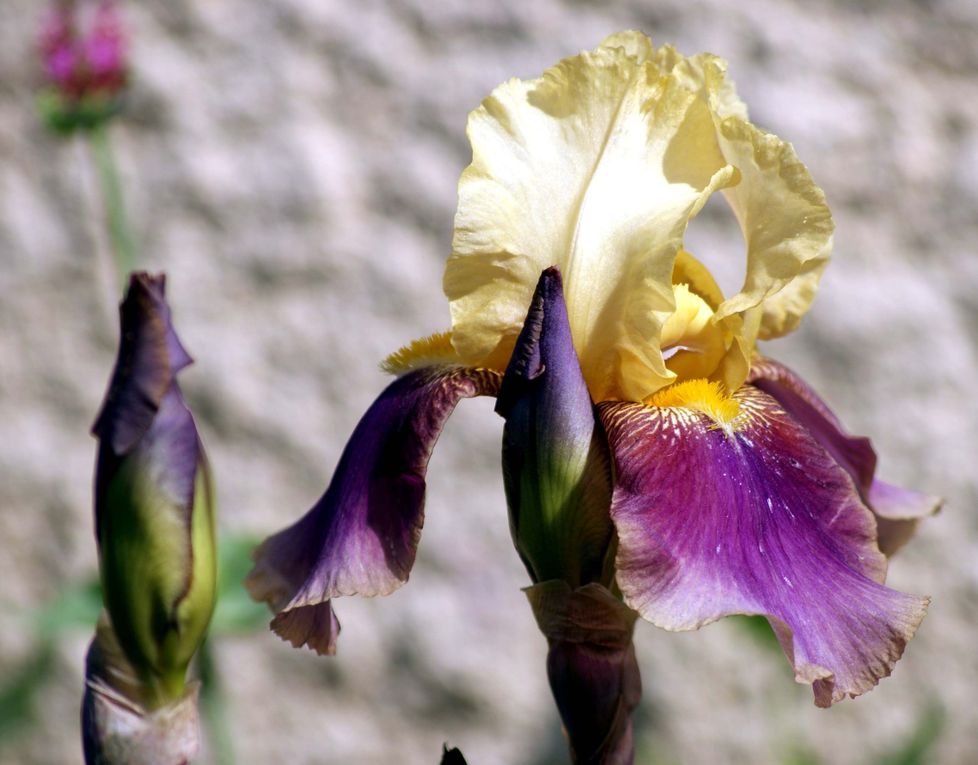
292,166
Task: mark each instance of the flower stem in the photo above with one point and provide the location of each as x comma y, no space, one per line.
110,186
212,698
592,668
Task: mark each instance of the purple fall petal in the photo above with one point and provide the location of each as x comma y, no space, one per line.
759,521
315,626
897,510
854,453
362,535
592,668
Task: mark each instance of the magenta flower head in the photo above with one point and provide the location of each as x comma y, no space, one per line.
154,527
57,47
655,463
83,50
105,49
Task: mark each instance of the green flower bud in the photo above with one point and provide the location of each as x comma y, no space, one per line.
556,466
153,502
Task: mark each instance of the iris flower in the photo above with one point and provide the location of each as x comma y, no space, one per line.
651,454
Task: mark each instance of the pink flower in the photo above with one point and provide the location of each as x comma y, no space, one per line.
105,48
83,50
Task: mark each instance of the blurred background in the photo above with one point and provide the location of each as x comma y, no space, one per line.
292,166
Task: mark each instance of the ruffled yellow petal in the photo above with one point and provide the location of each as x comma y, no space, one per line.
689,271
785,222
717,349
706,72
783,215
596,168
692,342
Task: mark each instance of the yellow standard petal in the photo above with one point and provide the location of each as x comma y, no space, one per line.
596,168
785,222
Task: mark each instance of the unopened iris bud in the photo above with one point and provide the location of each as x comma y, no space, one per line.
153,502
555,460
558,488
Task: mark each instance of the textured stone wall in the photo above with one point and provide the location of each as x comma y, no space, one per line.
292,166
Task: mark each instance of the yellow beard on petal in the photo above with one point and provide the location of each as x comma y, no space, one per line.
704,396
426,351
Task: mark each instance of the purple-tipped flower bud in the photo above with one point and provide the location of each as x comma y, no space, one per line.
153,502
558,487
556,466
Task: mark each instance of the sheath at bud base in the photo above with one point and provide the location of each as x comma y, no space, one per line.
116,730
591,667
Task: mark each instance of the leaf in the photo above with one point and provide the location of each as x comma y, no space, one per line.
236,612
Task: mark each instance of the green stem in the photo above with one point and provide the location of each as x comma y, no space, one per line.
110,186
212,703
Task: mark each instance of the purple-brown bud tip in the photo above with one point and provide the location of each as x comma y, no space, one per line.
452,756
